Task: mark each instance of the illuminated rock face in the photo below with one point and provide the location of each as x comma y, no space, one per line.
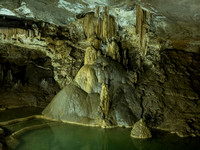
72,104
106,85
101,76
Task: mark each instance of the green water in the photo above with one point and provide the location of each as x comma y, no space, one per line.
74,137
21,112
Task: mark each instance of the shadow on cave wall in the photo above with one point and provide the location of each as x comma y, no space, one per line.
26,77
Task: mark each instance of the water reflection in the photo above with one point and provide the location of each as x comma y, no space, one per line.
166,141
73,137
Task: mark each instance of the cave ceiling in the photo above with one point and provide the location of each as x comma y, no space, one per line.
174,20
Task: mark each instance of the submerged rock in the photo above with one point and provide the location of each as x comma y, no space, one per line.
140,130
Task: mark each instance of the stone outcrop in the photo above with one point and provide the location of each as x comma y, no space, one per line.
72,104
111,104
87,79
170,98
140,130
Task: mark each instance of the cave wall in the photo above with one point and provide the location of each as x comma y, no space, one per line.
163,83
166,81
37,59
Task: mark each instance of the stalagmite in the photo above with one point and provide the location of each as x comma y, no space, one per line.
105,100
140,130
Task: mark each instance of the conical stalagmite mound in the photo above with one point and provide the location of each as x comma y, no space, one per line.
101,93
80,102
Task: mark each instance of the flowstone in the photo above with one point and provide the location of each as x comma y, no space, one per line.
101,93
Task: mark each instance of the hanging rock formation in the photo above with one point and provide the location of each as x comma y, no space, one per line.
142,28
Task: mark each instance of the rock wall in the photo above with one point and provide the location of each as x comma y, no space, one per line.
141,78
136,77
169,95
102,75
36,59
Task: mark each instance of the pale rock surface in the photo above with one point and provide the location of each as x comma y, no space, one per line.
140,130
72,104
90,56
87,79
105,100
112,50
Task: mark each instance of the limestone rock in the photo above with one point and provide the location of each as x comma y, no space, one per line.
171,97
90,56
92,101
140,130
105,100
72,104
125,109
87,80
142,27
112,50
101,27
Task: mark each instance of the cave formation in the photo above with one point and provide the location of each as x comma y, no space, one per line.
103,64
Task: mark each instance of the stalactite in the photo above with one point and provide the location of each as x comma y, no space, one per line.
16,33
125,60
142,29
90,56
112,50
